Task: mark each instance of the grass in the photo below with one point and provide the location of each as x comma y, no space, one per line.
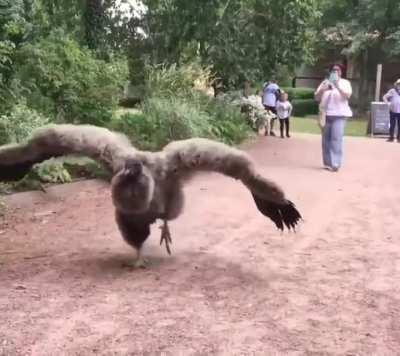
354,127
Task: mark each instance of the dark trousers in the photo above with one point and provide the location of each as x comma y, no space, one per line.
284,123
394,117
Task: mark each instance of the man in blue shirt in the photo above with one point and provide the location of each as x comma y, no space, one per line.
269,98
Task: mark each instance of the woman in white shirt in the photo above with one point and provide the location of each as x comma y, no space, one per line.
392,97
334,94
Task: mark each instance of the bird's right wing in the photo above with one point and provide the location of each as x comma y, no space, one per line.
187,157
108,148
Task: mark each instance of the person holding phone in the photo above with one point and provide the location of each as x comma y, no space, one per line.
334,94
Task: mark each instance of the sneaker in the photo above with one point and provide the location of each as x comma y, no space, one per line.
282,136
335,169
272,133
390,140
288,136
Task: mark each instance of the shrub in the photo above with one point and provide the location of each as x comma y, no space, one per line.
164,120
304,107
175,107
227,123
19,123
299,93
176,81
66,81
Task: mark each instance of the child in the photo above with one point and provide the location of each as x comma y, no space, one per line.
283,111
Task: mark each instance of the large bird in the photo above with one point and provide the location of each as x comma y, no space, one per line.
146,186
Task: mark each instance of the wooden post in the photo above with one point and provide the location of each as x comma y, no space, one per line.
378,82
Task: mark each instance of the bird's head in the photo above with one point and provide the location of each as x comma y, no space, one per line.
132,187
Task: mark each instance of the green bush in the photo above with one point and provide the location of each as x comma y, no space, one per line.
227,123
66,81
19,123
299,93
164,120
176,81
175,107
304,107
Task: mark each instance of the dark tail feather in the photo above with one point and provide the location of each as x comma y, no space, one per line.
281,214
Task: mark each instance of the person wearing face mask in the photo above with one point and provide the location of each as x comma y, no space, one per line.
334,94
392,97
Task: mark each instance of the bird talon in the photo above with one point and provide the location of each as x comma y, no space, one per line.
166,236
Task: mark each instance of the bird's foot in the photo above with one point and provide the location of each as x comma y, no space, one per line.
166,236
138,262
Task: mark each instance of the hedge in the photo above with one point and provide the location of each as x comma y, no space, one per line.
299,93
304,107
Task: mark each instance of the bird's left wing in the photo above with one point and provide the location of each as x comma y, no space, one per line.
108,148
186,157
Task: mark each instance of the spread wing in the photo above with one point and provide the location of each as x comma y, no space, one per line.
187,157
108,148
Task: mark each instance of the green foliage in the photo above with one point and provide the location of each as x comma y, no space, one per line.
361,26
227,123
175,108
19,123
299,93
303,107
237,39
164,120
52,171
66,81
171,81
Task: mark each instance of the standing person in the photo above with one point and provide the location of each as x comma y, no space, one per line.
392,97
269,98
334,94
283,111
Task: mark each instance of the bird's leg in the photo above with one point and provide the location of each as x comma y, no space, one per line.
166,236
138,262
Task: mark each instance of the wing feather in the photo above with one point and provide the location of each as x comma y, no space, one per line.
187,157
108,148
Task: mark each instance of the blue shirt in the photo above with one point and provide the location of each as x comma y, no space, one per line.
269,94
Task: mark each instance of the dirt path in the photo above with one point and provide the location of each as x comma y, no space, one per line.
234,285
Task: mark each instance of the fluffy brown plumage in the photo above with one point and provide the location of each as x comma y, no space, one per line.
147,185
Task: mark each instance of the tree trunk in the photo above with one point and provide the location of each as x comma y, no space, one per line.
363,93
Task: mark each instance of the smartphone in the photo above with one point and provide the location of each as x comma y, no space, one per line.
333,77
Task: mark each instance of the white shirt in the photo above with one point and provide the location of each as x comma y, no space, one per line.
333,102
283,109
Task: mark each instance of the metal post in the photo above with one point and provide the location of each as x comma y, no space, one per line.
378,82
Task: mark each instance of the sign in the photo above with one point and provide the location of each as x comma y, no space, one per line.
380,118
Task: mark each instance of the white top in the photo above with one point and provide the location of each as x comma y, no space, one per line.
283,109
333,102
269,94
392,97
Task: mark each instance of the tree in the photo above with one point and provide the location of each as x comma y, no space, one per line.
365,30
239,39
14,30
